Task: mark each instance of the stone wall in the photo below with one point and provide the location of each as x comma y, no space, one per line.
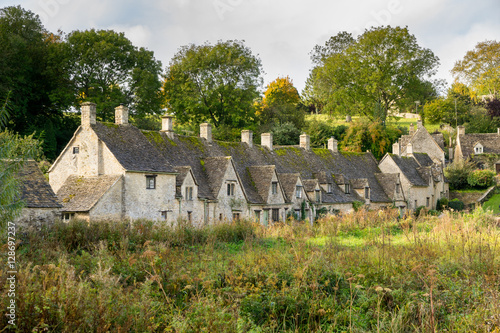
37,217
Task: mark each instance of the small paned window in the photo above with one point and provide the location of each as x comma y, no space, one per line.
189,193
257,215
329,188
347,189
236,216
230,189
76,150
367,193
190,216
274,188
276,214
397,188
150,182
318,196
298,191
427,201
164,215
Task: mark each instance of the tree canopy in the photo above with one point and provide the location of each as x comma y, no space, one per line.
381,69
480,68
216,83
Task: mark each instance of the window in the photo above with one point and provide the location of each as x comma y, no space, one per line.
220,217
297,214
427,201
276,214
164,215
478,149
150,182
76,150
257,215
189,193
347,189
329,188
397,188
190,216
274,188
367,193
230,189
416,204
236,216
298,191
318,196
68,216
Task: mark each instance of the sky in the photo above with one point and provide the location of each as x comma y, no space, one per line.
281,33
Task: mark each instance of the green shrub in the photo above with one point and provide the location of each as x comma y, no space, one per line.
442,204
458,172
481,178
456,204
419,209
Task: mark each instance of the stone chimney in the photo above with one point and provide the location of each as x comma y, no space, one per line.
121,115
412,129
396,148
167,125
88,114
450,153
305,142
247,137
266,140
333,145
409,149
206,132
461,130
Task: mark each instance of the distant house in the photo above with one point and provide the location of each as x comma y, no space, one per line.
421,141
116,171
475,146
42,207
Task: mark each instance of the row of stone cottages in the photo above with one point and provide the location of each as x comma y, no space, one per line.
116,171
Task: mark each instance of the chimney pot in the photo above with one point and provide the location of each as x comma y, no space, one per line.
461,130
266,140
396,148
333,145
247,137
305,141
206,131
167,126
88,110
121,115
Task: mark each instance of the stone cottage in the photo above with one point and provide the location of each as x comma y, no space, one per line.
41,205
483,148
116,171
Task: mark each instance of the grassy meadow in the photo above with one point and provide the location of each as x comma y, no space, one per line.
363,272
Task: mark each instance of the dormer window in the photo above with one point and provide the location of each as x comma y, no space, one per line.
318,196
189,193
478,149
76,150
367,193
347,189
230,189
274,188
329,188
298,191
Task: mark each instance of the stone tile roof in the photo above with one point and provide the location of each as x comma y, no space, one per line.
262,176
409,166
131,148
288,181
182,171
389,182
35,190
423,159
490,142
80,194
439,138
215,168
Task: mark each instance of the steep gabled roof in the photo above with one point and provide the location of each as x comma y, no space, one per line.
35,190
80,194
423,159
183,172
389,182
408,167
288,181
131,148
215,168
490,142
262,176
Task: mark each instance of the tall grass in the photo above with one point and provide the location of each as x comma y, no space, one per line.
361,272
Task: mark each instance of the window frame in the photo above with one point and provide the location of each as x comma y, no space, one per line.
76,150
298,191
230,189
189,193
274,188
347,188
149,185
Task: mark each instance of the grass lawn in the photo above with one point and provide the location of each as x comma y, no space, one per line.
493,204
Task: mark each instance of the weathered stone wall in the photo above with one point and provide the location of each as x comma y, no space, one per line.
195,206
227,205
140,202
423,142
110,204
37,217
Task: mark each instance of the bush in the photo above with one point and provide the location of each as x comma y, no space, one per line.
286,134
456,204
458,172
442,204
419,209
481,178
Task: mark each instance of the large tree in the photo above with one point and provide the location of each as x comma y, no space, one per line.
383,68
480,68
106,68
216,83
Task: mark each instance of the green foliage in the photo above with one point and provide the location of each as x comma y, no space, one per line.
216,83
456,205
420,210
320,132
285,134
442,110
364,135
357,205
442,204
481,178
458,172
383,68
107,69
480,122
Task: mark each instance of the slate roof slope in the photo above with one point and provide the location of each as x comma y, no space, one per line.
409,166
423,159
131,148
35,190
388,182
262,176
215,168
182,171
288,181
80,194
439,138
490,142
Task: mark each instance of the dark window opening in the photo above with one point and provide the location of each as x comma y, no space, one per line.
274,189
150,182
347,189
190,216
230,189
236,216
189,193
276,214
76,150
367,193
298,191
